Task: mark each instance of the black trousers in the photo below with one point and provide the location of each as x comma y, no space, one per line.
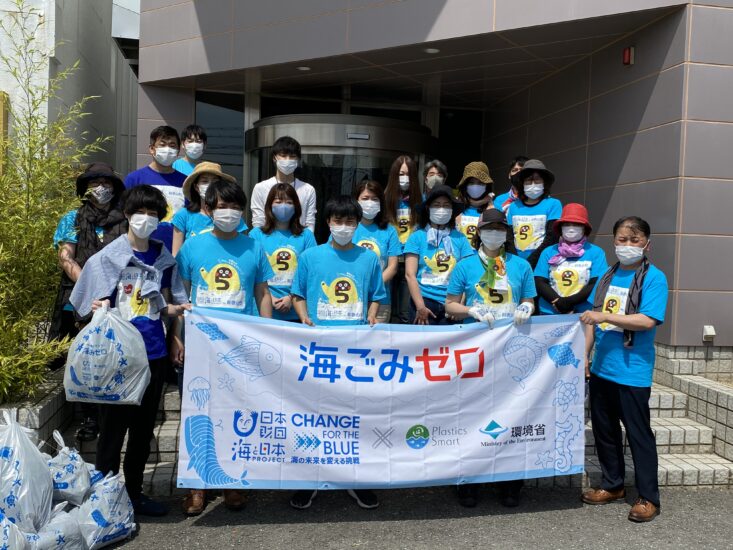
437,308
611,404
400,297
117,420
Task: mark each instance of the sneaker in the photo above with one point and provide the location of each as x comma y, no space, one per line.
364,498
146,506
467,495
88,431
302,499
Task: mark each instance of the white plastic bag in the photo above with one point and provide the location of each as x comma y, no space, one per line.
71,479
26,490
61,533
107,362
106,515
95,476
10,536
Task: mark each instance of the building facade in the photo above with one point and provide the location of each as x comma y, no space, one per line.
489,79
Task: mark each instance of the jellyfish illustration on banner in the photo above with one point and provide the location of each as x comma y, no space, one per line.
200,390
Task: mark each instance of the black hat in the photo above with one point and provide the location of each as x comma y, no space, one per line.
532,166
491,215
440,191
99,170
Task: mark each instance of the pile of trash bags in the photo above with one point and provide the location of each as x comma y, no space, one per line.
56,502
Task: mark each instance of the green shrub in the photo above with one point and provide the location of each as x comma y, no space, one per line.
42,156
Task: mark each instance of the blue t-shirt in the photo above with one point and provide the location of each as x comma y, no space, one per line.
501,300
133,308
67,232
283,250
612,361
529,223
196,223
223,272
183,166
433,265
383,242
468,222
338,285
171,186
570,276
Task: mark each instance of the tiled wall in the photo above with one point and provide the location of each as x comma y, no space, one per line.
622,139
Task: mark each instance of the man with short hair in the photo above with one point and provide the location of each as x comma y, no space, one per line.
286,157
193,139
164,146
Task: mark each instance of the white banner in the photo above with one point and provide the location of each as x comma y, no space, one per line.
275,405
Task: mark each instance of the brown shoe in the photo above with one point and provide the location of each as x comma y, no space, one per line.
194,502
643,510
601,496
234,499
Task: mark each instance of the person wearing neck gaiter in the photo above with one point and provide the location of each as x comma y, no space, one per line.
567,272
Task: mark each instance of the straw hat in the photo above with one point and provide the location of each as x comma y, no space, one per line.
204,168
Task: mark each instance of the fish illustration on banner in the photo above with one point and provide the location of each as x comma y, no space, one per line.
199,434
523,355
559,332
562,355
212,331
253,358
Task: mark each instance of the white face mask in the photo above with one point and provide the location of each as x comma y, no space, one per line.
534,190
342,234
440,216
202,187
572,233
475,190
404,182
433,180
369,209
143,225
194,150
102,194
165,155
227,219
628,255
286,166
492,239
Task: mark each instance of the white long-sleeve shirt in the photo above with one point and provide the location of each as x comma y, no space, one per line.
306,194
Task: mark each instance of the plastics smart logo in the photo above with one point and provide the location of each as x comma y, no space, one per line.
417,437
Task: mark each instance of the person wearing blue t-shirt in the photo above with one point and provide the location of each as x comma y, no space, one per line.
490,286
193,139
431,253
503,201
164,145
229,271
284,239
403,199
533,214
629,302
338,284
138,276
567,272
377,235
475,193
191,220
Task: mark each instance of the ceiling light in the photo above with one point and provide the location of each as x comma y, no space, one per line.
431,50
303,68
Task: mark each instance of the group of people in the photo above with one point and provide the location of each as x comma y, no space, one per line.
416,251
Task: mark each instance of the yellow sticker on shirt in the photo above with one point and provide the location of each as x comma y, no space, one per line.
499,302
615,303
342,301
468,225
223,288
437,269
569,278
529,231
284,262
404,229
174,199
373,245
129,298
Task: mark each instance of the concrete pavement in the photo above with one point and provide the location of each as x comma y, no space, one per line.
432,518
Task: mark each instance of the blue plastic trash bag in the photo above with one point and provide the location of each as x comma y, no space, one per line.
107,362
106,515
71,480
26,490
61,533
